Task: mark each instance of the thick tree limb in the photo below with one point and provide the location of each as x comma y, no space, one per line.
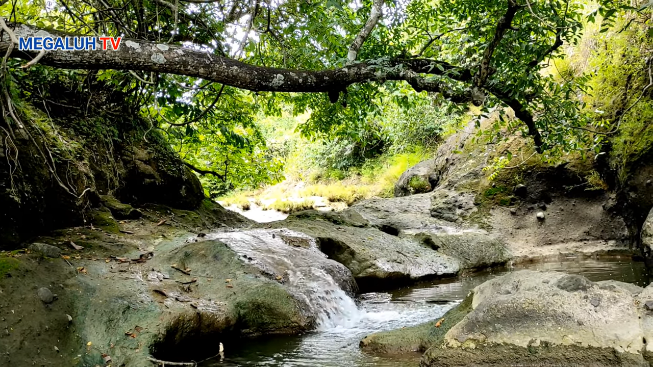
375,15
522,113
145,56
205,171
558,42
164,58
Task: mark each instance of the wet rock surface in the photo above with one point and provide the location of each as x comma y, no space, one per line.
376,259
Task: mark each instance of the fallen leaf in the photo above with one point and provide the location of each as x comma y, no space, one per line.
107,260
76,247
82,270
106,358
439,323
229,286
228,280
279,277
65,257
162,221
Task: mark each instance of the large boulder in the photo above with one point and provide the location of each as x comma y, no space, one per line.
174,297
549,318
377,260
474,250
418,179
427,175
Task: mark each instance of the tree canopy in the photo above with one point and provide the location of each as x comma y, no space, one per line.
203,68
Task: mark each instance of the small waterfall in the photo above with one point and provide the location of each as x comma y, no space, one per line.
322,285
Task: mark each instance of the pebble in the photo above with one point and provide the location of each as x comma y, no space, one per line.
648,305
45,295
595,302
513,211
540,215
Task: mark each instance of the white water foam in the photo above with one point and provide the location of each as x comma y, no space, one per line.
306,272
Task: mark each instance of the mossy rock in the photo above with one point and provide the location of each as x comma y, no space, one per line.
103,219
419,184
120,210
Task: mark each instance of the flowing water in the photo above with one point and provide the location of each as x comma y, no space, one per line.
335,343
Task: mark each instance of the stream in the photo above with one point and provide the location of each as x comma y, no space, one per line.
335,343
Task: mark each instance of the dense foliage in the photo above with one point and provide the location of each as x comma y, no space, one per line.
492,53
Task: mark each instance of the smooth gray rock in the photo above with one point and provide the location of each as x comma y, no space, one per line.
473,250
552,307
376,259
45,249
45,295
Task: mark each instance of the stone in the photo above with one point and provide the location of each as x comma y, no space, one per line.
548,318
648,305
595,302
472,250
540,216
120,210
521,190
513,211
45,295
376,259
418,179
45,249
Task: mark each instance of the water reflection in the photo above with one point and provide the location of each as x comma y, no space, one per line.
338,346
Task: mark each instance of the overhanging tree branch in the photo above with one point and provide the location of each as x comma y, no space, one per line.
146,56
421,74
205,172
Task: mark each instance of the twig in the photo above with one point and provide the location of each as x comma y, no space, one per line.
180,269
